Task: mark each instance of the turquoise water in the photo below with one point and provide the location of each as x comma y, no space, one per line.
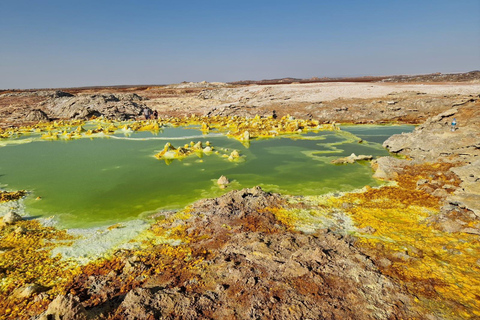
94,182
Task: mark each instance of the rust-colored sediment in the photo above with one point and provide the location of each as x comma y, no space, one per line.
438,267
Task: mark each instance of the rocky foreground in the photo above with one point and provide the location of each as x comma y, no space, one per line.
242,264
415,253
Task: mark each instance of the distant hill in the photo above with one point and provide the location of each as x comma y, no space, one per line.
472,76
437,77
433,77
310,80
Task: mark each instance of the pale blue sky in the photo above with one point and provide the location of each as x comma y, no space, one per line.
51,43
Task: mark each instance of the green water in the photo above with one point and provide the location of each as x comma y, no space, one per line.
93,182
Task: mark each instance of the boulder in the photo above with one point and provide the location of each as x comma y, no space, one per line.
434,140
111,106
11,218
468,194
65,307
36,115
137,304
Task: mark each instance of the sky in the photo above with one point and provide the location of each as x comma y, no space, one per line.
55,44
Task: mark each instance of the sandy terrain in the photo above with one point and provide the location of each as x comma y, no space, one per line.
314,92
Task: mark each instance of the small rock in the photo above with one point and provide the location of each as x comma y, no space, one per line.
352,158
384,262
28,290
422,182
234,155
20,230
223,182
387,168
368,230
11,218
402,256
40,297
427,189
449,186
414,252
198,146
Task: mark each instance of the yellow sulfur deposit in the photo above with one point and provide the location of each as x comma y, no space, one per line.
240,128
11,196
169,152
25,259
441,268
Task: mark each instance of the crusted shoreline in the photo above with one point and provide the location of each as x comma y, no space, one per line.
241,255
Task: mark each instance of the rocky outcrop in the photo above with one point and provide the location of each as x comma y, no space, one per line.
278,276
435,141
468,194
325,102
253,266
327,105
112,106
472,76
36,115
40,93
352,159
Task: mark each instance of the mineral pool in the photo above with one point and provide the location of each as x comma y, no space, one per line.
96,182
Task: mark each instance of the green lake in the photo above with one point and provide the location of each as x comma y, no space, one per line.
101,181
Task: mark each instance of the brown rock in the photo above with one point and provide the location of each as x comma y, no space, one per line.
65,308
